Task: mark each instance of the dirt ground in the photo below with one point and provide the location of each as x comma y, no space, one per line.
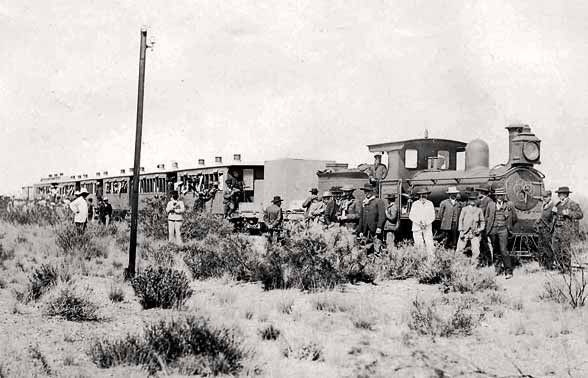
519,335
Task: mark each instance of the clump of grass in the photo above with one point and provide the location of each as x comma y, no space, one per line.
6,254
161,287
39,358
116,294
465,278
330,303
426,318
42,279
210,350
3,283
73,306
402,262
286,305
309,351
269,332
164,255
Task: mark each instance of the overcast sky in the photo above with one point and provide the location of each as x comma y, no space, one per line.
270,79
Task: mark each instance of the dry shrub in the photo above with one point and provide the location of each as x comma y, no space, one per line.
571,285
73,305
36,214
190,344
466,278
432,318
72,242
116,294
438,269
153,217
402,262
312,260
164,255
42,279
308,351
161,287
330,302
216,256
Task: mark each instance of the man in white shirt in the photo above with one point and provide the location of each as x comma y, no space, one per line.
422,215
175,210
80,208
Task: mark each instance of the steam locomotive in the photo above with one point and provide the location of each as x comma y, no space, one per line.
439,163
426,162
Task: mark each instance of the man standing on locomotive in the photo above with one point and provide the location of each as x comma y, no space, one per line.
449,210
175,210
500,218
422,216
544,229
567,213
471,225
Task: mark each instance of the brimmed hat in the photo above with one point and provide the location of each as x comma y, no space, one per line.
347,188
547,193
277,199
472,196
423,190
390,196
483,189
313,191
327,194
77,193
452,190
173,192
367,188
84,191
336,189
500,191
563,189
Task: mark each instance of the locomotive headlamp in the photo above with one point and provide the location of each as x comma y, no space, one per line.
531,151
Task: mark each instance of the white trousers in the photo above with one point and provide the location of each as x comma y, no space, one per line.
174,232
423,238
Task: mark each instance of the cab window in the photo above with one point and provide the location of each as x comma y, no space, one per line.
443,159
411,158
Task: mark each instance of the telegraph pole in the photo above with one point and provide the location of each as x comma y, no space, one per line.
130,271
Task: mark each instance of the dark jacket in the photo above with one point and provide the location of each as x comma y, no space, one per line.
545,223
272,216
449,214
568,223
511,216
372,216
330,214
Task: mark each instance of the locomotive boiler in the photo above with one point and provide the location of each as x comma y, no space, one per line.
440,163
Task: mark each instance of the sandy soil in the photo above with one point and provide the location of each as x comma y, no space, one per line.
521,335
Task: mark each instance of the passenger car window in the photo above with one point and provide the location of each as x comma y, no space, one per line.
411,158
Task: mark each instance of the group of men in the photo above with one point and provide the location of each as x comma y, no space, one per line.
84,210
369,218
487,219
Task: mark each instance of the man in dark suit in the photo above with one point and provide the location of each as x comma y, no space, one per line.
483,201
273,217
500,219
449,210
567,213
372,216
330,214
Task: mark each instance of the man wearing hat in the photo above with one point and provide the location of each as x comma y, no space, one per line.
80,208
567,214
544,228
391,224
449,210
350,209
471,225
372,216
500,219
175,209
483,201
422,215
273,216
330,213
308,201
230,198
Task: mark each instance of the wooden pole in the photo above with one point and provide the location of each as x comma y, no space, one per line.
130,271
